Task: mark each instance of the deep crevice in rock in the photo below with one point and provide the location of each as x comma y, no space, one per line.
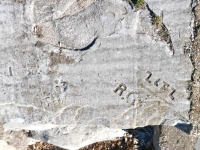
193,51
149,137
162,32
140,138
88,46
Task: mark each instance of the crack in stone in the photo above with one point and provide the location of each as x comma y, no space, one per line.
162,32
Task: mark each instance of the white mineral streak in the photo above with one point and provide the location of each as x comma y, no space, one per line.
67,97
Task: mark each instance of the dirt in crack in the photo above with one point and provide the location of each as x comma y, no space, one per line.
161,29
194,52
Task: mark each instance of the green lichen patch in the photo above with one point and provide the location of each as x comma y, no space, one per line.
157,21
137,3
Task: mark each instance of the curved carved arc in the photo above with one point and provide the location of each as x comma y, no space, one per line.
127,96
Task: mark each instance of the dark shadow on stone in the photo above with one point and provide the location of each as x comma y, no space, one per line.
32,134
144,135
89,46
45,136
184,127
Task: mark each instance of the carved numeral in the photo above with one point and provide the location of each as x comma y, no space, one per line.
148,77
171,93
156,82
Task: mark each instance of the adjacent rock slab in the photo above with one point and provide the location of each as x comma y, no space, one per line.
166,138
72,71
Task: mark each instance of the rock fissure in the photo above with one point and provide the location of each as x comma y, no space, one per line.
160,29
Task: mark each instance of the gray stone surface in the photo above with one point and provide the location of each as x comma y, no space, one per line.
62,61
168,137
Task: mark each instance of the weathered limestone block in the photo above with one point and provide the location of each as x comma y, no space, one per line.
77,72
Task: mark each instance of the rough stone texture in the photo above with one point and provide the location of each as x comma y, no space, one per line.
172,138
43,146
194,52
134,139
62,61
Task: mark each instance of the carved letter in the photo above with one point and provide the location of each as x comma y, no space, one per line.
121,87
147,78
129,95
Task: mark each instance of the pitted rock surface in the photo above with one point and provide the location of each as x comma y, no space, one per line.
92,68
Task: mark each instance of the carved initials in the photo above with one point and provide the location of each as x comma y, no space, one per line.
121,87
147,78
165,85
